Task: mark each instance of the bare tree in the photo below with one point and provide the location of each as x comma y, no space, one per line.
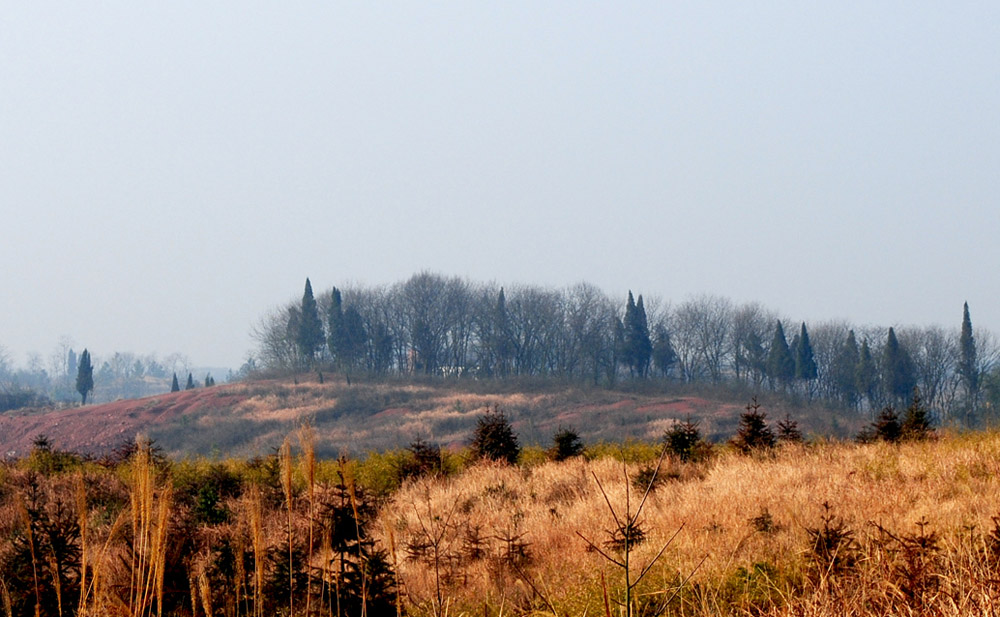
703,325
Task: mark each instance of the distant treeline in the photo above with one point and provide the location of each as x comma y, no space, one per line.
450,327
116,376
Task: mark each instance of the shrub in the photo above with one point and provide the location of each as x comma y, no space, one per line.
494,438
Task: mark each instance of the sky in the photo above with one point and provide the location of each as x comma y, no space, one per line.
170,172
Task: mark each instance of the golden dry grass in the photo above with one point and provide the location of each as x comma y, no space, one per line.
953,484
534,539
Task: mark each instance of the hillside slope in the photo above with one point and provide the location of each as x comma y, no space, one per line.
251,418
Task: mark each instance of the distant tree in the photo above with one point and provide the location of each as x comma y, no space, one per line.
309,336
566,444
780,363
637,347
335,324
968,367
84,376
843,369
500,342
898,369
382,346
664,356
190,382
210,381
494,438
866,374
175,386
805,362
72,365
353,339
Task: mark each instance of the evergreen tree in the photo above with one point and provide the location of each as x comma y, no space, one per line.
754,434
683,439
566,444
175,387
916,423
780,363
968,369
805,363
309,337
494,438
335,324
887,426
627,351
664,356
190,382
72,365
644,345
899,372
866,374
753,357
788,430
500,337
842,370
353,340
84,376
637,348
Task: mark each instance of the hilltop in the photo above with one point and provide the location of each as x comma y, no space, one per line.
253,417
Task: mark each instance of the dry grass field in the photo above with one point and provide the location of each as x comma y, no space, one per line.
818,529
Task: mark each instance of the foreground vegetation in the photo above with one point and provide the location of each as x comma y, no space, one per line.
906,528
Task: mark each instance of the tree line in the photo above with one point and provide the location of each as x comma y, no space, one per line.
443,326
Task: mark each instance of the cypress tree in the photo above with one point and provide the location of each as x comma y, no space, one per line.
84,376
805,362
664,355
637,347
309,337
190,382
780,363
866,375
644,345
335,324
898,369
843,370
175,387
628,352
967,368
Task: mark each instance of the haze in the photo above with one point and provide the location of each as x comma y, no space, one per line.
170,171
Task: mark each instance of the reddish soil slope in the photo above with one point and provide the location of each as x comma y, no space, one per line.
252,418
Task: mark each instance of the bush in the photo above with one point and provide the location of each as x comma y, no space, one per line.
494,438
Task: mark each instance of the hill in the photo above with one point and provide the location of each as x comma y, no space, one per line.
251,418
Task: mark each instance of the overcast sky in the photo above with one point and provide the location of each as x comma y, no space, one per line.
169,171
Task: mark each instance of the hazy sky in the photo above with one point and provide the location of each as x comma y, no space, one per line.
169,171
